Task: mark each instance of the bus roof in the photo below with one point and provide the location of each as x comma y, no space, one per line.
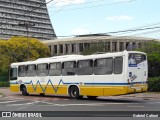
74,58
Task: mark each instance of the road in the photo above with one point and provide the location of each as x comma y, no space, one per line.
34,102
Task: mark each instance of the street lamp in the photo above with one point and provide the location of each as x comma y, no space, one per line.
27,25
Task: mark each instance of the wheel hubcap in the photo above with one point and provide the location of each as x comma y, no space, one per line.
74,93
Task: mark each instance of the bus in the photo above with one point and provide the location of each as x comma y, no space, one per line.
106,74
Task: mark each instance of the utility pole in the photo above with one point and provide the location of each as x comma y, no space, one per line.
27,25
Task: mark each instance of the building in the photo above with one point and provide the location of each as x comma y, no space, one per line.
25,18
78,44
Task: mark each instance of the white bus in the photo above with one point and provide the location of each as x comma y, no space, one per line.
77,75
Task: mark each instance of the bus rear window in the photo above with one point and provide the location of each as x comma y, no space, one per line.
136,58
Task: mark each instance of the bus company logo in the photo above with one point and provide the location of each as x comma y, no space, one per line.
133,77
6,114
19,82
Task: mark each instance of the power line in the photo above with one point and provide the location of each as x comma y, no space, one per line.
133,30
78,3
143,26
94,6
122,31
65,6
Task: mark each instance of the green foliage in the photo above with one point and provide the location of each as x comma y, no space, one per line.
4,81
4,84
153,52
154,84
94,49
16,49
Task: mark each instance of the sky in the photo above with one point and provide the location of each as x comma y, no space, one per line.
77,17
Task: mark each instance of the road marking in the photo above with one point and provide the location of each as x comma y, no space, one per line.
91,104
30,103
21,108
9,101
12,98
135,106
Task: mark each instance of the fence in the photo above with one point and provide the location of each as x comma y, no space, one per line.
4,81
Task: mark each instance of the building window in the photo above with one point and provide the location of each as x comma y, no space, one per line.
107,46
61,48
114,46
121,46
81,47
73,48
134,46
127,46
67,48
55,49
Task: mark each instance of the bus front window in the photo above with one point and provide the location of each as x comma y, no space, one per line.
135,59
13,74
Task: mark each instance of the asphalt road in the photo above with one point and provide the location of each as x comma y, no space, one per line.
17,102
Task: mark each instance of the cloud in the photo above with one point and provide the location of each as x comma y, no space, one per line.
60,3
80,31
120,18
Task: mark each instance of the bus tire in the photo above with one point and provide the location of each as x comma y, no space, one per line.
92,97
24,91
74,92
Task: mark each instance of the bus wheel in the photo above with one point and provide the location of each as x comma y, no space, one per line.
74,92
92,97
24,91
42,94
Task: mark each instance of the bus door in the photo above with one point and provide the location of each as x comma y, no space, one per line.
119,75
55,78
103,76
137,68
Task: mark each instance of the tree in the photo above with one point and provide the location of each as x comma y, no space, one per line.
153,53
17,49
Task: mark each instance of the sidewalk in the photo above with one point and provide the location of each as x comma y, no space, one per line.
145,95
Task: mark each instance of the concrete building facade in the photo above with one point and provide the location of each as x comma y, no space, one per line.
77,45
25,18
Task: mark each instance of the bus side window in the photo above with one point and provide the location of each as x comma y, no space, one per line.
118,65
22,71
85,67
68,68
55,69
103,66
31,70
42,69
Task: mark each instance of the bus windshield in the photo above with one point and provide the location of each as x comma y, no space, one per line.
135,59
13,74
